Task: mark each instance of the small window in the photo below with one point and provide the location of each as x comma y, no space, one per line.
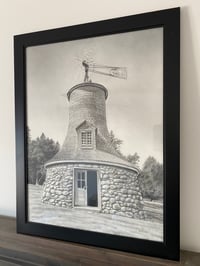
86,138
81,180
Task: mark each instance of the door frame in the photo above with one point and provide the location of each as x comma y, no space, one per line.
98,188
76,187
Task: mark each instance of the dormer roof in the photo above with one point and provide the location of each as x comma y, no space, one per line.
85,125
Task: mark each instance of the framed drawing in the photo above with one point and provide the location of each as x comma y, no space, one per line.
97,133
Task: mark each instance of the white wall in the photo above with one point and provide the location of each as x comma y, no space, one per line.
20,16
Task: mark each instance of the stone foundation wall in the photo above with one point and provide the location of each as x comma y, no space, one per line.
58,186
119,189
121,193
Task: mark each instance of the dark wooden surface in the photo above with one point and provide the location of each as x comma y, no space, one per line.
18,249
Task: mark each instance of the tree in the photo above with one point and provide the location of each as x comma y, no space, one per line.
151,179
40,151
116,143
134,159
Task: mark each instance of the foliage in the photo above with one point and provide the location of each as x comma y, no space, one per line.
151,175
40,151
116,143
151,179
134,159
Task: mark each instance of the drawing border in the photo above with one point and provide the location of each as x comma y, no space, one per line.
169,19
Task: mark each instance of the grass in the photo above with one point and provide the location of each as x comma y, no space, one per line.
91,220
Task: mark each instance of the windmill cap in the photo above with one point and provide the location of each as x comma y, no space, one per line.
86,84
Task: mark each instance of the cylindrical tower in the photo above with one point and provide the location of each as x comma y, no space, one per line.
87,102
87,111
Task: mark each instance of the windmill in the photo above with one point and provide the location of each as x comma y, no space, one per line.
117,72
92,162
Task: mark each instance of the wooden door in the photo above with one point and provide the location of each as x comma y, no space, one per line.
81,188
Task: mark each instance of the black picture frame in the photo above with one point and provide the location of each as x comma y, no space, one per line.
170,21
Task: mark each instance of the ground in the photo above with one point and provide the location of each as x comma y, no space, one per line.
94,221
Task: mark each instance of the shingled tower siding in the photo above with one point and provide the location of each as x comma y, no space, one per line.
118,188
87,103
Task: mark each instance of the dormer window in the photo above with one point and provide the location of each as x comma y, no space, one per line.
86,138
86,135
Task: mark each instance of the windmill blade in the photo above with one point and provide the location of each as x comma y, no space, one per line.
117,72
100,66
89,61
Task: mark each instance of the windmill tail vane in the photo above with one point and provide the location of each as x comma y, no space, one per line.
117,72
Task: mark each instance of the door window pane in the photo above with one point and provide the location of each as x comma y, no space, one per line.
83,175
81,179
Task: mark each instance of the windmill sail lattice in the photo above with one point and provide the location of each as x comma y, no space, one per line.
117,72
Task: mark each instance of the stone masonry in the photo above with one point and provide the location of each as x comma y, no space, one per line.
119,189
